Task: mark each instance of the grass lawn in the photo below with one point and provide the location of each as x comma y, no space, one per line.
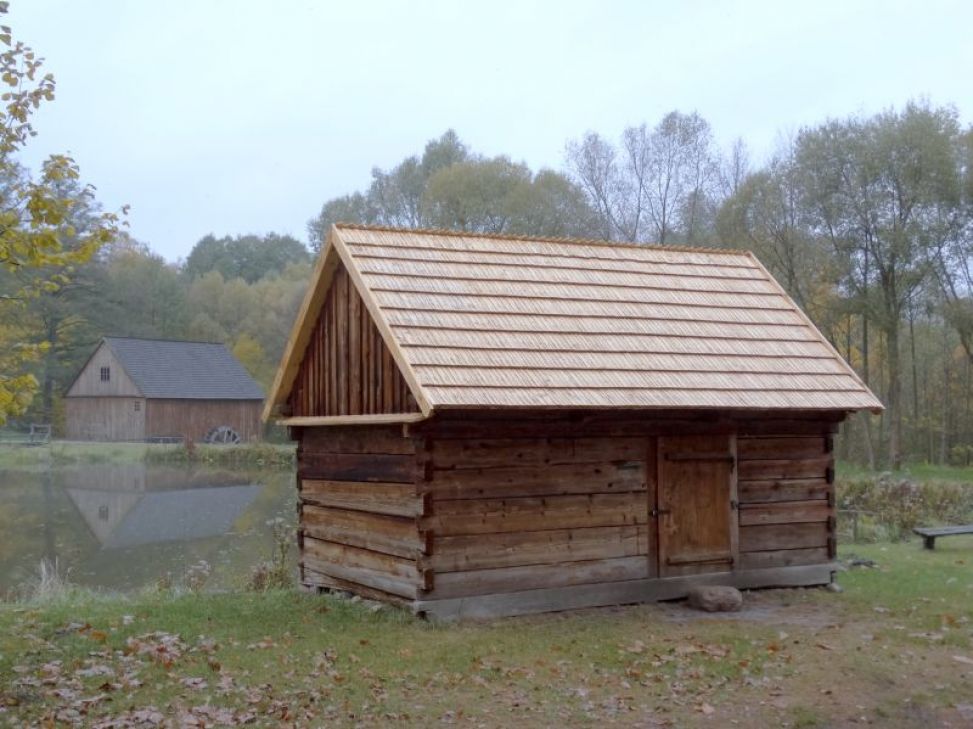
894,650
920,472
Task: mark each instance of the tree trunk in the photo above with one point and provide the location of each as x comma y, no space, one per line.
50,364
915,375
894,395
866,417
943,437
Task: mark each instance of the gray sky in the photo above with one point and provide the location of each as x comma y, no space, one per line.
244,116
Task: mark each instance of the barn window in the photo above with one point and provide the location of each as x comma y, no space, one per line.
138,406
105,374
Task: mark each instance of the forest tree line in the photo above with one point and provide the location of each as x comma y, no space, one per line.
866,221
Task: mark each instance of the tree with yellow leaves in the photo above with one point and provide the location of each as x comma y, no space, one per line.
38,245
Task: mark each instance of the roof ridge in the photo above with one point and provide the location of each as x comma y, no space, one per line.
162,339
543,239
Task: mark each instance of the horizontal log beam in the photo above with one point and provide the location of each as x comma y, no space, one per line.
392,535
762,538
488,551
785,512
372,467
514,579
517,481
804,489
392,499
490,516
773,447
816,467
617,593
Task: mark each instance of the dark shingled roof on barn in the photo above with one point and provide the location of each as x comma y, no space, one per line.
184,370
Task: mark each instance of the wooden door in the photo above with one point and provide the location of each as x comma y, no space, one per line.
696,504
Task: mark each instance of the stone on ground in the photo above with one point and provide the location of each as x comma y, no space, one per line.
715,598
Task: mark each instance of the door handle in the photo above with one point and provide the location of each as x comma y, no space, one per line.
658,512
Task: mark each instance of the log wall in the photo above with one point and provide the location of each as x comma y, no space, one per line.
480,506
511,514
786,491
359,512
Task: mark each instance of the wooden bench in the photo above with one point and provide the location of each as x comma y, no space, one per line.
929,534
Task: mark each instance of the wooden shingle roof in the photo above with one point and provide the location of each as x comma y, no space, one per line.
480,321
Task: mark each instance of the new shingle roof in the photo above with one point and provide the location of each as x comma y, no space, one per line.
493,321
184,370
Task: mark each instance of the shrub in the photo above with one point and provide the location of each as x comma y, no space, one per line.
197,576
888,507
274,573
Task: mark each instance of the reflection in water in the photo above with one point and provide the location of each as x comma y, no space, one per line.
128,518
123,526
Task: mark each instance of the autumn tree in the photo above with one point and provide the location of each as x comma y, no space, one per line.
885,192
38,244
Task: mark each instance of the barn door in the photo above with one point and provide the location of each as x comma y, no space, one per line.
696,504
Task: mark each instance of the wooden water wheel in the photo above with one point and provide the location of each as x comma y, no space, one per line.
222,435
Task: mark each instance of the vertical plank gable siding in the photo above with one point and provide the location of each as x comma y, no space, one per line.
347,369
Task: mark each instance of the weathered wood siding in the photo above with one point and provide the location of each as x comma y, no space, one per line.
347,369
89,382
104,418
476,505
786,492
359,512
511,514
195,418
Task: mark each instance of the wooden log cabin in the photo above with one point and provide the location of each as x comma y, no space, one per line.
493,426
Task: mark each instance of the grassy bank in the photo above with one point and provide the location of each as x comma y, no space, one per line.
916,471
69,453
894,650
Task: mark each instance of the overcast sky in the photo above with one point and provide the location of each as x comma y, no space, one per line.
240,116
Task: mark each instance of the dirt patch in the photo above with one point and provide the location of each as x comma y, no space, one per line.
782,607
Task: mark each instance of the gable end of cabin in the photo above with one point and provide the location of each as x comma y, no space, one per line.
347,368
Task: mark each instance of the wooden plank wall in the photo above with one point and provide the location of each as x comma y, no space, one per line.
359,512
196,418
104,418
347,369
786,493
511,514
470,505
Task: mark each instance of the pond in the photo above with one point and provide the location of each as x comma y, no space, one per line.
124,526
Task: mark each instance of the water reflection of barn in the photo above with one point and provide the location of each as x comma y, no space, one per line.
147,389
130,505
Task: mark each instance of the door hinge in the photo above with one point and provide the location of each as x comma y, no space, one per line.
734,504
658,512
